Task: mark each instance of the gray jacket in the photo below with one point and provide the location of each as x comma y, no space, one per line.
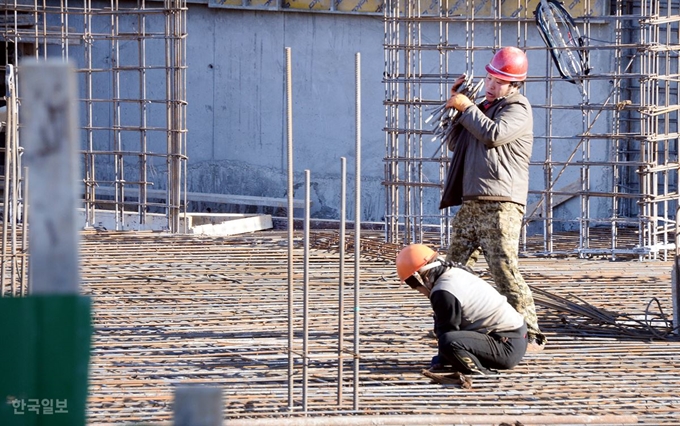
491,153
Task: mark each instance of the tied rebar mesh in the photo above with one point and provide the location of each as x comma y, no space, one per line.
604,163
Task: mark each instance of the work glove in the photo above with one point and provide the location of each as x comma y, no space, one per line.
458,101
456,84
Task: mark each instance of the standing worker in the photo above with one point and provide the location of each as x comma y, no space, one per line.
489,175
477,330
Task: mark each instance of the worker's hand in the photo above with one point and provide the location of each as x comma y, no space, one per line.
458,101
456,84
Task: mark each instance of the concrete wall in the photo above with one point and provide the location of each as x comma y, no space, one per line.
236,105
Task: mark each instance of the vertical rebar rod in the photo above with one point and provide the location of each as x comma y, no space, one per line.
305,295
89,187
143,161
10,193
13,206
675,278
289,158
24,236
341,273
357,230
118,159
10,125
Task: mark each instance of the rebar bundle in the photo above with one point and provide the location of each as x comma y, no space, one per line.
445,118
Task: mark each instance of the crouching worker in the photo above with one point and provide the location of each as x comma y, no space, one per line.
477,330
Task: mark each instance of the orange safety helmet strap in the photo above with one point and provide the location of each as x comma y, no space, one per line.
509,64
413,257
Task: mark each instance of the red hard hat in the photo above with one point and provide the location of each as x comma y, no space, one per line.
509,64
413,257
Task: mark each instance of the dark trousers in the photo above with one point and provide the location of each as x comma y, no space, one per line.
472,352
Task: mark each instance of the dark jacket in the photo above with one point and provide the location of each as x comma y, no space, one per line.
491,151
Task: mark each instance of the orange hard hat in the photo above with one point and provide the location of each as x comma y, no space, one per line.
413,257
509,64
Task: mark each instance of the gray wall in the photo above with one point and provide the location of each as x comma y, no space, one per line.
236,105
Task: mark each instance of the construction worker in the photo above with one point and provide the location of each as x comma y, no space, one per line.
477,330
489,178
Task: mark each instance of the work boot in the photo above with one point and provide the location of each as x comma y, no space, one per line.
437,364
536,343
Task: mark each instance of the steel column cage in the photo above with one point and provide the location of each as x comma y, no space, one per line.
605,156
131,63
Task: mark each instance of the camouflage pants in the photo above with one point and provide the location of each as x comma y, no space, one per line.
494,227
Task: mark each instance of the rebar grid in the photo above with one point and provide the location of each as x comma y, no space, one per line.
606,147
174,309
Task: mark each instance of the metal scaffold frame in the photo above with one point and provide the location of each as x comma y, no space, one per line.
605,155
131,63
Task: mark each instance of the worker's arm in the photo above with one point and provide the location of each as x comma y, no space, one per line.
447,311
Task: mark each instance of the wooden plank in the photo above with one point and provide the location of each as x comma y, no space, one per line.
236,224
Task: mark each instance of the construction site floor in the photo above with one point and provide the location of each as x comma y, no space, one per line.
171,310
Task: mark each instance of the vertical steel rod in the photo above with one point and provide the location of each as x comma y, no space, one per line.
675,278
357,230
10,125
305,296
24,236
289,157
341,273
